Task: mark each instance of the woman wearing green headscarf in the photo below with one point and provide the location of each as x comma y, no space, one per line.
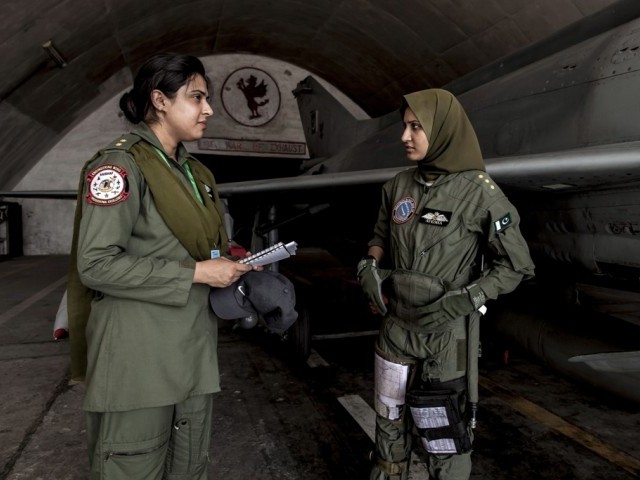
451,241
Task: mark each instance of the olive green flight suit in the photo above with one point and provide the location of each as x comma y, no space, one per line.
433,237
151,335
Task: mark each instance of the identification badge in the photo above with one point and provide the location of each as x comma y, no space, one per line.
215,253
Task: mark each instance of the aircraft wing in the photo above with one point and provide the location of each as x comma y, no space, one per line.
303,182
581,168
618,362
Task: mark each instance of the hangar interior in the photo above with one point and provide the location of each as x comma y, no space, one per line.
66,63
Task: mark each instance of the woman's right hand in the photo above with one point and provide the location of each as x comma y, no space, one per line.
220,272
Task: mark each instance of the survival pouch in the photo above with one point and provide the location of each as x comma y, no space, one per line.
436,409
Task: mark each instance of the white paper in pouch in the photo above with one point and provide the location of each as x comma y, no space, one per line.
433,417
391,385
439,447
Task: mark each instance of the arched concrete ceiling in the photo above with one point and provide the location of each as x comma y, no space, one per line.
372,50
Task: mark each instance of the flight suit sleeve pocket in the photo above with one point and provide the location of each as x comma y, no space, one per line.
510,244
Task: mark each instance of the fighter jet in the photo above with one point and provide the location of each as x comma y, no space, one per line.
561,135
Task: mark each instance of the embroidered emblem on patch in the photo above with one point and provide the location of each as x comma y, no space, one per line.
403,210
440,218
503,223
107,185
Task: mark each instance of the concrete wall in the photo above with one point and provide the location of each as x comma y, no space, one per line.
47,224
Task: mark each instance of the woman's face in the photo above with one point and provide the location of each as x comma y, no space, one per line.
185,116
414,137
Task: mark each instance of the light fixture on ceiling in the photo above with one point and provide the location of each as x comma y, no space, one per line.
53,52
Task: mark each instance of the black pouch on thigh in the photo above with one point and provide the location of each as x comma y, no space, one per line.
438,411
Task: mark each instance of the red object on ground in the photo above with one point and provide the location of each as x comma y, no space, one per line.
60,333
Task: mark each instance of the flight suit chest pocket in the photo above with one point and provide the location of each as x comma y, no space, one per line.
452,236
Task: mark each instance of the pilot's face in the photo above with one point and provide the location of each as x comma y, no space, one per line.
414,137
185,115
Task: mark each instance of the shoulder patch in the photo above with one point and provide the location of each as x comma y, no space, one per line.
124,142
107,185
503,223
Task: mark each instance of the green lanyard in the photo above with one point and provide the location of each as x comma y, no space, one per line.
187,169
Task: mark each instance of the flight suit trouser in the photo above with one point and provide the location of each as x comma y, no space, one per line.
444,355
162,443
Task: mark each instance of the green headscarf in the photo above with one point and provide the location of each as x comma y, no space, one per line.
453,145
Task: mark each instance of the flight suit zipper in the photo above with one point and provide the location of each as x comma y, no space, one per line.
452,229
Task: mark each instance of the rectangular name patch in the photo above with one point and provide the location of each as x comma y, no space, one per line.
439,218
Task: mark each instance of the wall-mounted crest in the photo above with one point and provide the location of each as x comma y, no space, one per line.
250,96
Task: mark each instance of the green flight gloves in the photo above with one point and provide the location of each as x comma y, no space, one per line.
371,278
459,303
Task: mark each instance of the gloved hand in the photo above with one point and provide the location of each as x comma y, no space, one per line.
371,278
459,303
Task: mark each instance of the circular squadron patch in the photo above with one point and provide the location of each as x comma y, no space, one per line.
107,185
403,210
250,96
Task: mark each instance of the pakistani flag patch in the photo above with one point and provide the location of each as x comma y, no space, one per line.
503,223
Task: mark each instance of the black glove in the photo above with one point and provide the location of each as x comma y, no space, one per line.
459,303
371,278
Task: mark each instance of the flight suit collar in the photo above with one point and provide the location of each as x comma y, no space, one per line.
144,132
417,176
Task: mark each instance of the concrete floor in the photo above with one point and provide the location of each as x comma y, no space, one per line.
278,419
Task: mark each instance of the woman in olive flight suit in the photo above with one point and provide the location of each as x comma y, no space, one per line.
149,243
452,241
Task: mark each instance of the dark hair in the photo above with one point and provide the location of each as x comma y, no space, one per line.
166,72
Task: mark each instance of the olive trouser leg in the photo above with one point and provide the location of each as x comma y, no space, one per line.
393,448
444,355
163,443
